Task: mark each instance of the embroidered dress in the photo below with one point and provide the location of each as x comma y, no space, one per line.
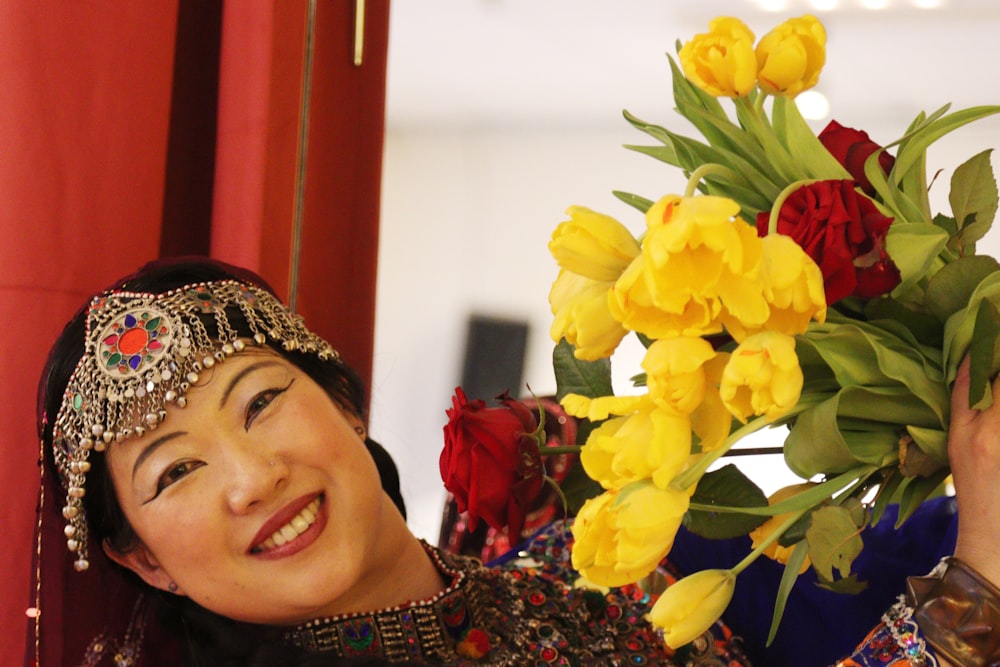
895,642
523,611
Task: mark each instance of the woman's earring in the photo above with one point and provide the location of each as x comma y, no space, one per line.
172,587
360,430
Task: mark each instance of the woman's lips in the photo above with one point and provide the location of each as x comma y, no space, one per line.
292,529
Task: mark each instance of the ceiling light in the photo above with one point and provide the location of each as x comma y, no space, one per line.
813,105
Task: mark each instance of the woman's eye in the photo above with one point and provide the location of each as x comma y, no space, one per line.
259,402
175,473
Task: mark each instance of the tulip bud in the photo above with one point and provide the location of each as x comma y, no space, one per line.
690,607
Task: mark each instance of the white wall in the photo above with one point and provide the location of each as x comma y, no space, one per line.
465,221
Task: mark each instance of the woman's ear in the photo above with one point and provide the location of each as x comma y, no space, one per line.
144,564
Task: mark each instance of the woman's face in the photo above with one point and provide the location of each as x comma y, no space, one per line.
258,500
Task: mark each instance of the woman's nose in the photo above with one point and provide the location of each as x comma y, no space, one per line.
253,476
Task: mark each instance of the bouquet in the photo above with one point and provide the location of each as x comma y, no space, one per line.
800,281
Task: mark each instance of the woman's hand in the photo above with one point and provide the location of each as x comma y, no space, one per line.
974,452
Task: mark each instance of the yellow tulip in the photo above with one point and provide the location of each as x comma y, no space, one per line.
583,317
744,308
721,62
621,536
602,407
762,377
711,420
692,605
790,57
775,551
674,372
631,303
647,443
593,245
793,285
691,242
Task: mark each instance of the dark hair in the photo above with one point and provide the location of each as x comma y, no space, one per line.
209,635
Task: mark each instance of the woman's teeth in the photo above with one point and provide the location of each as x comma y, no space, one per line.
293,528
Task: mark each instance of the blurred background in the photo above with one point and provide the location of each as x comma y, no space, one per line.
502,113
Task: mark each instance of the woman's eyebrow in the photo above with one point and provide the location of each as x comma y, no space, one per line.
233,381
148,450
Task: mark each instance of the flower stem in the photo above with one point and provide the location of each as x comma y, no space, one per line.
559,492
772,221
691,476
775,534
562,449
708,169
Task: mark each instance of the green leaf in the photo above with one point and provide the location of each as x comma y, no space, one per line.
834,541
950,289
850,585
915,490
727,486
863,355
947,223
578,488
857,425
973,197
914,145
802,500
796,532
788,578
796,135
984,353
641,204
932,441
689,154
926,329
886,494
573,376
890,196
913,248
958,330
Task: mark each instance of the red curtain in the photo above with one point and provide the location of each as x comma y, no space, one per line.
104,120
259,149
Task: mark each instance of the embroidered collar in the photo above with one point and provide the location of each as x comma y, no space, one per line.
440,626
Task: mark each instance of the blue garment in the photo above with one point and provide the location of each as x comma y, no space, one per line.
819,626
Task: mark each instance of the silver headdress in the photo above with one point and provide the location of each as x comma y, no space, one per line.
141,353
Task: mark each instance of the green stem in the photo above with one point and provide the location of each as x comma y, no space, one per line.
758,104
804,499
775,534
708,169
691,476
772,221
562,449
559,492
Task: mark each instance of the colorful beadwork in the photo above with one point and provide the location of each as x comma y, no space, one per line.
896,642
133,342
524,612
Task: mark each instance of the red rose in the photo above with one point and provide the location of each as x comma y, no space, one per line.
844,233
851,149
491,461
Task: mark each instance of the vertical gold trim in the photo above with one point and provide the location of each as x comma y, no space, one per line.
359,32
300,167
38,553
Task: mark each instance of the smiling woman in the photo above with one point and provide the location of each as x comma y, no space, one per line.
199,437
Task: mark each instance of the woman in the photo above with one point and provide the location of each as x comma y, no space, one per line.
213,447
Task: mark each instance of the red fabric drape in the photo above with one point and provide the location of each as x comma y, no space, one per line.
259,128
84,131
